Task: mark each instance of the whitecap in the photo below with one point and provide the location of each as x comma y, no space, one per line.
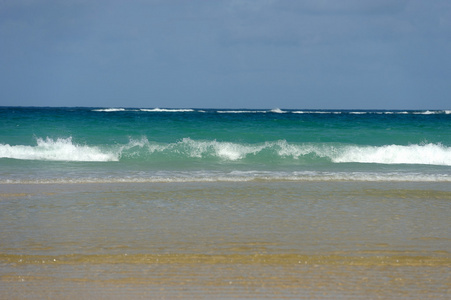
429,154
61,149
240,111
109,109
277,111
167,110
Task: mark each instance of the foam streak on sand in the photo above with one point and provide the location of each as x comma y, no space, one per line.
249,176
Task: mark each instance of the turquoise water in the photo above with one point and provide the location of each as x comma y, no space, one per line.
153,145
151,203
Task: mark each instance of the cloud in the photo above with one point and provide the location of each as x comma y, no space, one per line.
328,7
203,50
303,23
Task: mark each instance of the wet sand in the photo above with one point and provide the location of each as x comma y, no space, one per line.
200,276
294,240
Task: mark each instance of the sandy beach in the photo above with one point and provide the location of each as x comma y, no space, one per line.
197,276
225,240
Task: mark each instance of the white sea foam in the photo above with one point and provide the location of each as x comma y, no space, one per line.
391,112
241,176
315,112
109,109
426,112
223,150
189,148
429,154
240,111
167,110
61,149
277,111
64,149
144,110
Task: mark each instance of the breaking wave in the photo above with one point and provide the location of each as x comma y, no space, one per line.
61,149
277,111
428,154
166,110
271,152
109,109
241,111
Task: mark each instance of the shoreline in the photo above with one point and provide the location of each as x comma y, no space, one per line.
290,240
226,280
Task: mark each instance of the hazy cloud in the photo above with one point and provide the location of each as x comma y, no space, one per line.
303,54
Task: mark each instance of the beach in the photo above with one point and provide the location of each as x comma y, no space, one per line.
282,239
114,203
225,150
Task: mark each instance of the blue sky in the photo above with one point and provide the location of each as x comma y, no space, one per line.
327,54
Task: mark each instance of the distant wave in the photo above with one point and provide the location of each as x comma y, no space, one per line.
241,111
143,110
315,112
248,111
279,111
426,112
64,149
431,112
109,109
167,110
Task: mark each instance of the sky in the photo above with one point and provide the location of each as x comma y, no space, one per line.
313,54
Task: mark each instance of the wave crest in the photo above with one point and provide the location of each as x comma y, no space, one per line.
64,149
61,149
428,154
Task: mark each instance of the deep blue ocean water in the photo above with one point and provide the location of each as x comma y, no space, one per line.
44,145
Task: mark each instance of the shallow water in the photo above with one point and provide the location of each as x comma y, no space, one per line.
239,239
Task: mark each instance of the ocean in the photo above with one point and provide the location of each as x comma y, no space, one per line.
68,145
180,203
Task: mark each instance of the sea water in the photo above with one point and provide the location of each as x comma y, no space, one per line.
39,145
149,202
